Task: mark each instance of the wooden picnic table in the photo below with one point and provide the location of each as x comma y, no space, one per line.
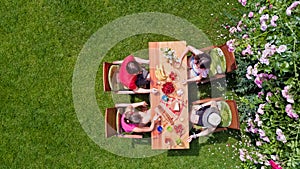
174,112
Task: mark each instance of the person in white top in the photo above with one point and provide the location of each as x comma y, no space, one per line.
206,115
199,64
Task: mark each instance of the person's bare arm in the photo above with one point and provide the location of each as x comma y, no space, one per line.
194,79
125,92
131,104
118,62
190,49
205,132
140,60
141,90
144,129
197,107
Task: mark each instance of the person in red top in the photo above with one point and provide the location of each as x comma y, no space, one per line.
133,76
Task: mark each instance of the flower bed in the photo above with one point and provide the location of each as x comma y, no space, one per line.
266,45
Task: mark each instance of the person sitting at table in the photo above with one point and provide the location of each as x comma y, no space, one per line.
133,120
206,115
199,64
133,76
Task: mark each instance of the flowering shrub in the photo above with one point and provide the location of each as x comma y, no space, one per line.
266,45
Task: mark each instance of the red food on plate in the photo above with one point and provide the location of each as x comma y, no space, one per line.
172,75
168,88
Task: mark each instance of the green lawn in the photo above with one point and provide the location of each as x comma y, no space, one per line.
40,44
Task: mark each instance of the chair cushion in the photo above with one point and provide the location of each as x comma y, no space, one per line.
120,111
218,62
225,113
113,78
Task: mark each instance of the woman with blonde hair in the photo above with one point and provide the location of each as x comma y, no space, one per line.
133,120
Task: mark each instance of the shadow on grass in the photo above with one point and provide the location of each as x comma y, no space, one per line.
200,144
193,151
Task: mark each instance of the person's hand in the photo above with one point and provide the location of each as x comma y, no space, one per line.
144,104
184,82
156,118
190,138
154,90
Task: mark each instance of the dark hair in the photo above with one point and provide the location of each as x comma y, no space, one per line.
204,60
133,67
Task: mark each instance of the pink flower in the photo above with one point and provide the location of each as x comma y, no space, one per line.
238,27
269,94
257,120
243,2
254,70
264,60
290,99
261,9
270,6
242,155
288,12
261,133
258,143
260,93
260,109
258,82
274,165
273,20
245,36
271,76
250,15
281,48
285,94
250,127
269,50
264,18
232,30
290,8
249,72
247,51
295,4
280,136
266,139
290,112
263,26
249,157
230,45
288,108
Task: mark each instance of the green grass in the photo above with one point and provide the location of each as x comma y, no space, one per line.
40,43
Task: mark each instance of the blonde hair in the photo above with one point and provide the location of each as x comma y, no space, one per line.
132,116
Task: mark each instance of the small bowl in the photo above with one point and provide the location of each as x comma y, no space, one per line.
165,98
160,129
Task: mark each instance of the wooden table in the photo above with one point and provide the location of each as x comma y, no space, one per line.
175,124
